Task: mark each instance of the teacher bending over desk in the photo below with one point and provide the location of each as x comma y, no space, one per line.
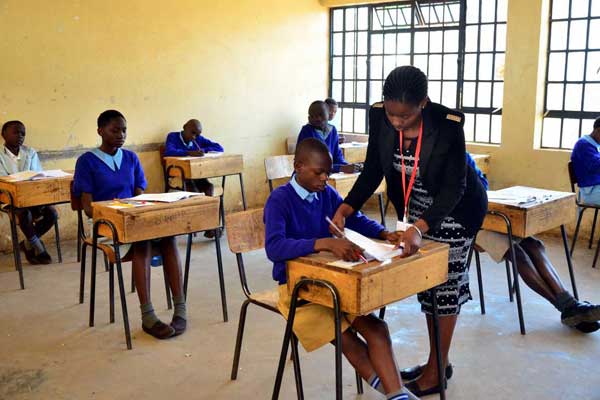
419,147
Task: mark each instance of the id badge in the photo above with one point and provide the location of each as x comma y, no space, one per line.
403,225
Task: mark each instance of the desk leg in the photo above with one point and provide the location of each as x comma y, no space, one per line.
297,372
569,260
15,243
188,252
221,278
123,299
438,345
93,276
516,282
57,238
243,191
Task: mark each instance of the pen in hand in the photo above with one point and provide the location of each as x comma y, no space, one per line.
338,230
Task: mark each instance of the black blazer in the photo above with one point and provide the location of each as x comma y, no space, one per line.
454,186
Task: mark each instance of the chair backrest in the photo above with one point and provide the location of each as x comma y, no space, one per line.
245,230
290,143
278,167
572,177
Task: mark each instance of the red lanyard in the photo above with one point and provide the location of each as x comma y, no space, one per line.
413,175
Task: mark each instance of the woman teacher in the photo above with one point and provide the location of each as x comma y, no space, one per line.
419,147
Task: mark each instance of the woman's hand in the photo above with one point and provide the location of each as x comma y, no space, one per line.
342,248
393,237
412,242
339,218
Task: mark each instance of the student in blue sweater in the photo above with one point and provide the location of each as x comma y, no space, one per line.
190,142
586,164
319,128
33,221
110,172
296,226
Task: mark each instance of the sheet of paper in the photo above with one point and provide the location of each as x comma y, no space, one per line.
517,199
34,175
213,154
51,173
165,197
371,248
128,203
345,264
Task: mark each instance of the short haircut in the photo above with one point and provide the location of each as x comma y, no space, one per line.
331,101
316,106
107,116
597,123
406,84
8,124
310,146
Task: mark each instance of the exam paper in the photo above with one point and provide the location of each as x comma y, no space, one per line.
371,248
35,175
169,197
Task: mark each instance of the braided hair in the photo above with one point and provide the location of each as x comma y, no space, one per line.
406,84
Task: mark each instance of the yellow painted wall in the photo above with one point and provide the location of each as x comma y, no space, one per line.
247,69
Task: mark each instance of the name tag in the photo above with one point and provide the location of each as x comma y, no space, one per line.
402,226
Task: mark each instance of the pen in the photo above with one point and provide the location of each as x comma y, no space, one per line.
344,236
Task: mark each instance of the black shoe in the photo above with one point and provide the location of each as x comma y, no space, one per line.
410,374
588,327
179,325
29,254
43,258
417,391
159,330
580,312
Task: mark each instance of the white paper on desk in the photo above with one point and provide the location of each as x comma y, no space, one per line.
169,197
341,175
371,248
345,264
35,175
213,154
506,197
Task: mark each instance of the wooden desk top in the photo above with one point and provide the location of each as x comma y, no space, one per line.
368,287
483,162
159,220
208,167
343,183
550,210
354,153
38,192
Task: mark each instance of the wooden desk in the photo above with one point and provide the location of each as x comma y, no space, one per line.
134,224
158,220
24,194
369,287
343,183
483,162
360,290
550,210
208,167
354,153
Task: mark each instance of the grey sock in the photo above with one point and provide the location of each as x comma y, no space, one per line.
564,300
410,394
149,318
397,395
180,309
376,384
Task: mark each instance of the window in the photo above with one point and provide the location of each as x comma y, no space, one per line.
572,99
437,36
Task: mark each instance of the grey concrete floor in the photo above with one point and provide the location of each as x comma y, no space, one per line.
47,350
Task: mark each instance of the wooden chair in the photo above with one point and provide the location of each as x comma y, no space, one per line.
15,236
581,207
246,233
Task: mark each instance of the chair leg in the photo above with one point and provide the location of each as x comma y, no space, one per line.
93,283
593,229
517,289
508,280
167,290
480,283
242,190
297,372
57,238
436,335
132,281
82,273
221,278
78,243
105,262
111,290
381,209
16,251
238,340
576,234
563,232
123,300
359,383
596,255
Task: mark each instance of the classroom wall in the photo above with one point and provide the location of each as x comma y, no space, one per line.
246,69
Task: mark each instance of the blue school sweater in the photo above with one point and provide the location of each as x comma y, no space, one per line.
473,165
176,147
586,161
309,131
94,176
293,224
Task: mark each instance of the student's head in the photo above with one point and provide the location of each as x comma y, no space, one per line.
112,127
13,133
404,96
312,163
318,115
332,107
597,126
191,130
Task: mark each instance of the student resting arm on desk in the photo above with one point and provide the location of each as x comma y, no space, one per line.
34,221
296,226
110,172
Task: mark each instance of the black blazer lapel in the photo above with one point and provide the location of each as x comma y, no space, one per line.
386,146
430,132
